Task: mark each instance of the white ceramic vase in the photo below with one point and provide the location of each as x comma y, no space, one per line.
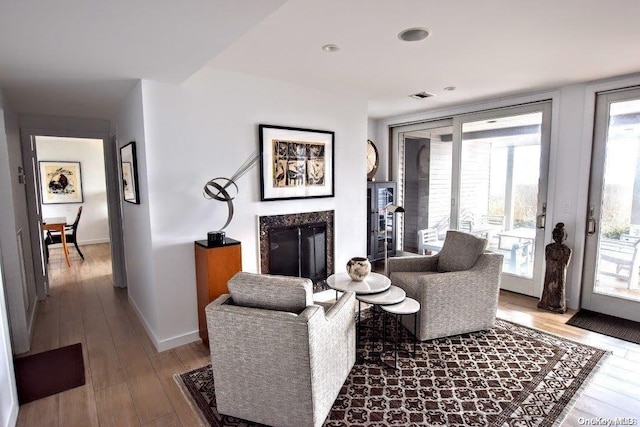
358,268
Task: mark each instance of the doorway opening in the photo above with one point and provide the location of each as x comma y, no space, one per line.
72,176
611,280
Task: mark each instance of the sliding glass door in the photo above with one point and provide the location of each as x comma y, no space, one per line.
503,186
612,258
483,173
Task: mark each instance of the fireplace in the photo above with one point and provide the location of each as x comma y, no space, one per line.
300,244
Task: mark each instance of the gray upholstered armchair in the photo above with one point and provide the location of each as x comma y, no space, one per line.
457,288
277,358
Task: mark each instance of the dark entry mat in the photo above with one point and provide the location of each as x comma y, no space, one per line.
616,327
43,374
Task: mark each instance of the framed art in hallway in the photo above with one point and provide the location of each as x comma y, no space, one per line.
60,182
129,170
295,163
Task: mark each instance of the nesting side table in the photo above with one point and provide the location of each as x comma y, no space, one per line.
374,283
406,307
393,295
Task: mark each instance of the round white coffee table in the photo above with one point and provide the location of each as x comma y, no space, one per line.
407,306
372,284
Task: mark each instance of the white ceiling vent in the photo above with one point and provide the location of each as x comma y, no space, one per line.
421,95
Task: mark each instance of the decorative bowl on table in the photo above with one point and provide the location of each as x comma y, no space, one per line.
358,268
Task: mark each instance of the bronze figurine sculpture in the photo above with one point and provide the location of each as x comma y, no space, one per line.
557,256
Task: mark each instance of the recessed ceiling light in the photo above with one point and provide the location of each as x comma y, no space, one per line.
331,48
421,95
414,34
450,88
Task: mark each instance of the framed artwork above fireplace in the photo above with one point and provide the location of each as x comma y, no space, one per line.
295,163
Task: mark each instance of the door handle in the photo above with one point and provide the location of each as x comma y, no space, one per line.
591,222
541,220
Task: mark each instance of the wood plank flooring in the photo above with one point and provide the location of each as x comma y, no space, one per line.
130,384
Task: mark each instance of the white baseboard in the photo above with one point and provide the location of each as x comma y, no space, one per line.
174,342
13,416
81,243
168,344
93,241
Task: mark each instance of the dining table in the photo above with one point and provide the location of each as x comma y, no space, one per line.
58,224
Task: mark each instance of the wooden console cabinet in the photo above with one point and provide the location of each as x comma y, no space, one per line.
215,265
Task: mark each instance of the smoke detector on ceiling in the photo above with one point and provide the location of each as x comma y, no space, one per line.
421,95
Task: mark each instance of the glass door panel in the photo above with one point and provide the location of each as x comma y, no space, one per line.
502,193
612,261
382,220
386,196
426,185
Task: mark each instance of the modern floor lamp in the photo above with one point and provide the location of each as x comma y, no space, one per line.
393,209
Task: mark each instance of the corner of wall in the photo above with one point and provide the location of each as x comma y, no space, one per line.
166,344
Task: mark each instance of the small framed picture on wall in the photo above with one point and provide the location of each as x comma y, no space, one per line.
129,171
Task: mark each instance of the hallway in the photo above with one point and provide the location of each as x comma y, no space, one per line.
128,383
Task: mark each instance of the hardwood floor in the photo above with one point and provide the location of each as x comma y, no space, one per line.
130,384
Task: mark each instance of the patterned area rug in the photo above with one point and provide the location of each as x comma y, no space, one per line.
509,376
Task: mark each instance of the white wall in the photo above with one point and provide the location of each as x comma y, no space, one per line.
14,227
572,125
207,128
141,283
94,222
8,393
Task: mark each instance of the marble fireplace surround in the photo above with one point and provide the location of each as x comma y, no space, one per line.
273,222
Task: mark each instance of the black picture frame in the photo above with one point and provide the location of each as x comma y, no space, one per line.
60,182
129,173
296,163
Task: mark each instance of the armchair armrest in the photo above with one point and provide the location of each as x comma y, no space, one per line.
412,263
332,350
472,283
222,299
347,301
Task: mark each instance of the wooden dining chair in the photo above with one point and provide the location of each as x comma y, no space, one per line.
70,231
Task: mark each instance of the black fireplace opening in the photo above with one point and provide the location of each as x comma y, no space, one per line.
299,251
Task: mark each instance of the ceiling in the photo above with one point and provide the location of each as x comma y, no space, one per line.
80,58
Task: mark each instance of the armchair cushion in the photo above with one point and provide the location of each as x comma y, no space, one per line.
460,251
273,292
